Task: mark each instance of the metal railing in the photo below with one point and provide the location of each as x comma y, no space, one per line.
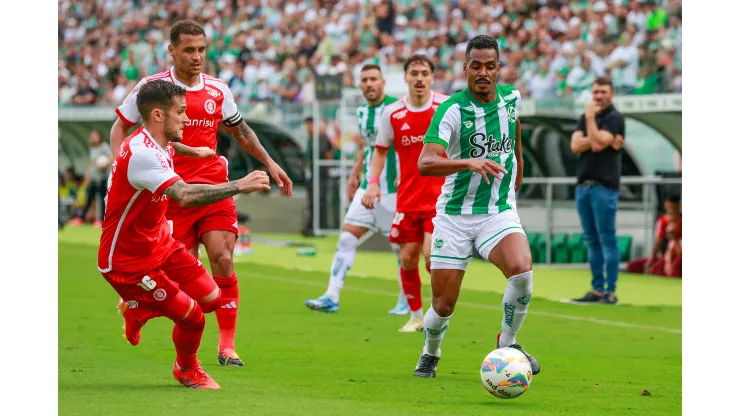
649,202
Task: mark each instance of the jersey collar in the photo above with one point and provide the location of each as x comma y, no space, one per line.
149,135
198,87
425,107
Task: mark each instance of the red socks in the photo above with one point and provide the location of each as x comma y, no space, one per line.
186,336
412,287
227,313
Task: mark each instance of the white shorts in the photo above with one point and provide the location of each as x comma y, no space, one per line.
378,219
455,236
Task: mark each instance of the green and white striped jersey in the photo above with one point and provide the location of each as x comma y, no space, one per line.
471,129
369,118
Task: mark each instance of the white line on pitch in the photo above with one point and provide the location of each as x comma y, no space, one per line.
472,305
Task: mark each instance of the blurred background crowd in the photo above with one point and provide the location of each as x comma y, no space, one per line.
270,50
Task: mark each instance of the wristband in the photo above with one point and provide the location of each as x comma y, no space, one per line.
374,180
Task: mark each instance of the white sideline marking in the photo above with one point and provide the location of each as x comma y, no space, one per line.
472,305
468,304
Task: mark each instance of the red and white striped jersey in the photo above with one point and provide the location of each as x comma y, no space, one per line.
207,104
136,236
404,127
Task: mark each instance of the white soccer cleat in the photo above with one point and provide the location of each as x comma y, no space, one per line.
413,325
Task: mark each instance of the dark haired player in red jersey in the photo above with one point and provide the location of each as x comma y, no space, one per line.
152,272
209,101
403,124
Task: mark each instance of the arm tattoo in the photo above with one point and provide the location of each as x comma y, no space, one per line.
248,141
189,195
183,150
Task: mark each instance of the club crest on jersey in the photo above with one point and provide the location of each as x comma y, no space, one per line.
489,146
210,106
512,114
214,93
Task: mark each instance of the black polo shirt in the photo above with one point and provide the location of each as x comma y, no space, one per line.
604,167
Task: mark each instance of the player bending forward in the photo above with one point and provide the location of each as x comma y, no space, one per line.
478,129
402,126
209,101
359,219
152,272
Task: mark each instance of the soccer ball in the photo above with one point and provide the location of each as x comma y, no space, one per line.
506,373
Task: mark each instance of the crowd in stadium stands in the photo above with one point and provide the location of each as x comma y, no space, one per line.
269,50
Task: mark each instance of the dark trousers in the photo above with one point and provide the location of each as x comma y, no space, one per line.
96,191
597,208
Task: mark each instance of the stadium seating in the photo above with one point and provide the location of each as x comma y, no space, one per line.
570,248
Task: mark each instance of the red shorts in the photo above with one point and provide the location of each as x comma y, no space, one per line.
178,275
410,227
189,224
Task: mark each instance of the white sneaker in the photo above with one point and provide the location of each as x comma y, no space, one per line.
413,325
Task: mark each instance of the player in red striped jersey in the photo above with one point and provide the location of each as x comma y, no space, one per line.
152,272
403,124
209,101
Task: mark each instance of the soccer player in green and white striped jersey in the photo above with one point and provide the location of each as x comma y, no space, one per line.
479,131
359,220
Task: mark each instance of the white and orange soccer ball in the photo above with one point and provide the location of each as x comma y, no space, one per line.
506,373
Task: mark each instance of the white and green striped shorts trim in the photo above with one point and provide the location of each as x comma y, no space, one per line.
455,236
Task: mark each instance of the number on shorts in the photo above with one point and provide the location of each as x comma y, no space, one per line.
147,283
172,226
397,218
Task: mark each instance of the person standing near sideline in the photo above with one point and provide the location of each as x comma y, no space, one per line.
598,140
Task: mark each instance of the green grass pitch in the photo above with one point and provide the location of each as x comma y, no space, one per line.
596,360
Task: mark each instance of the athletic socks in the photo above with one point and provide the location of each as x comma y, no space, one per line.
516,301
412,287
227,314
435,327
343,259
397,252
187,335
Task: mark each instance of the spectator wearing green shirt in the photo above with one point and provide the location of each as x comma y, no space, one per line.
657,17
579,80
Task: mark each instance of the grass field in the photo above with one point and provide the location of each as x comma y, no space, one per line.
596,360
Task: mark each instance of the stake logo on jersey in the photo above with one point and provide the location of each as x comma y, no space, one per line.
403,127
489,146
208,103
369,118
469,129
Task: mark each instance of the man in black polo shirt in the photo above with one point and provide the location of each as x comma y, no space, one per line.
598,139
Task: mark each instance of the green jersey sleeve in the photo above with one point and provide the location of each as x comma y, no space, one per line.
445,124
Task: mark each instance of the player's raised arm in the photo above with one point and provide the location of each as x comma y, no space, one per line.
202,152
189,195
248,140
383,142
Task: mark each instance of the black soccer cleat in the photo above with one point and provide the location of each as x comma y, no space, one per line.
427,366
589,297
228,358
532,361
